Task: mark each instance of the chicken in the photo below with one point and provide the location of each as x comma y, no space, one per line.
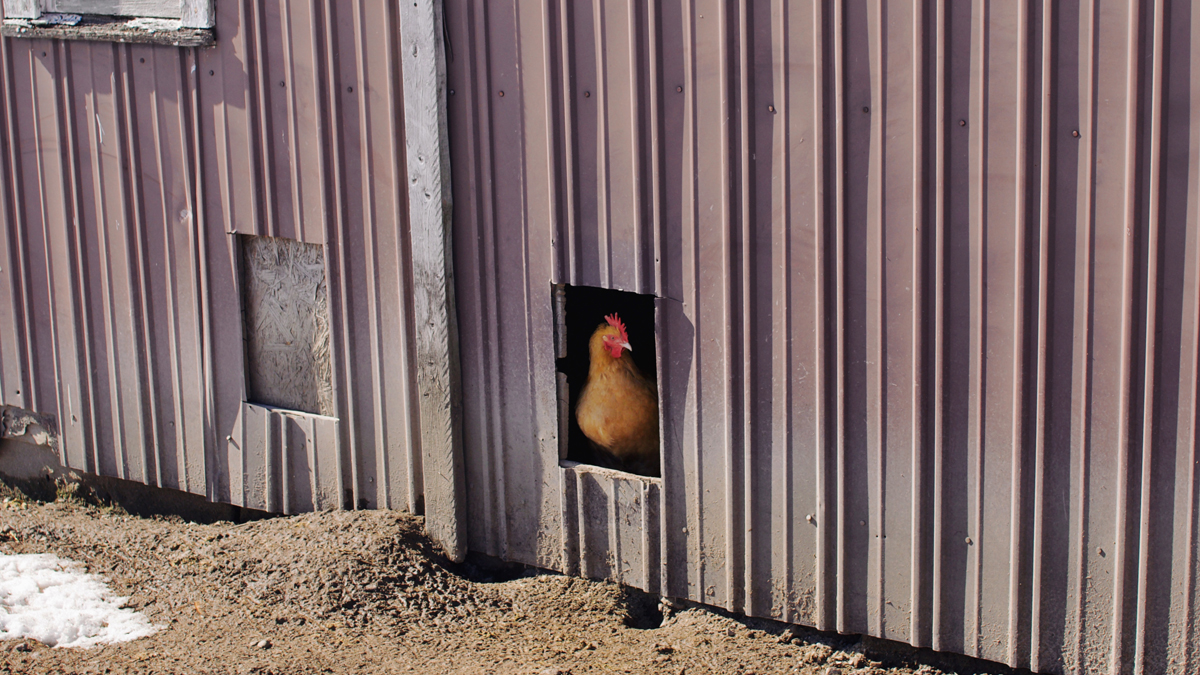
618,407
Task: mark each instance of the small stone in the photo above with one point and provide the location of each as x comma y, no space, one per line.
264,644
23,647
833,671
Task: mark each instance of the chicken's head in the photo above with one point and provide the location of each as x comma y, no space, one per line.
614,336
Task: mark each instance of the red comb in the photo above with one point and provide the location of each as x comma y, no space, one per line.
615,321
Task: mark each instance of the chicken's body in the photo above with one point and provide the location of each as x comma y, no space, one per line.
618,408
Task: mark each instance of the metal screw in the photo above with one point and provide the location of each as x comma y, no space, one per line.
1100,552
1075,133
212,72
809,518
350,89
771,108
587,94
678,89
969,542
451,92
962,123
866,109
281,83
502,94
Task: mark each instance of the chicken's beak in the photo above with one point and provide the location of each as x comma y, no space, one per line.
625,345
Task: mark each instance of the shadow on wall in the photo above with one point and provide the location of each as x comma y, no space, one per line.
36,471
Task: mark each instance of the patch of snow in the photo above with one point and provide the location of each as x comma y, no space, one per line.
58,603
154,25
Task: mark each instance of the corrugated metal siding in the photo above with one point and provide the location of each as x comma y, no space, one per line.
928,316
129,172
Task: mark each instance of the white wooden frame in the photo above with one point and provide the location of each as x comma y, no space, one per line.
192,13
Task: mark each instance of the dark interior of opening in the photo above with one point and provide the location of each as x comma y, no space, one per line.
582,309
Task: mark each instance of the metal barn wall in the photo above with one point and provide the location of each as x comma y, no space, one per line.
129,172
928,281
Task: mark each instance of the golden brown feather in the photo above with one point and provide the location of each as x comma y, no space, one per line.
618,408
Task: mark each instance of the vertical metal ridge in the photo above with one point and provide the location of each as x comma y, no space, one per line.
746,117
1126,374
335,231
106,290
1042,400
839,173
692,210
370,225
939,319
782,349
404,280
875,324
1016,461
491,348
18,273
733,533
657,208
79,269
198,248
314,471
285,463
44,198
637,142
570,184
288,84
1083,327
603,216
826,610
553,135
916,514
172,312
1155,198
262,164
978,321
131,190
270,446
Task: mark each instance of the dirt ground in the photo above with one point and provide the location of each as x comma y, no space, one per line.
364,592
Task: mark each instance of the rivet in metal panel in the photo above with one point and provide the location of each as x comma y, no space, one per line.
679,89
1075,133
350,89
282,84
43,54
451,92
684,529
969,542
1100,552
866,109
962,123
862,522
229,438
771,108
501,93
142,60
587,94
212,72
809,518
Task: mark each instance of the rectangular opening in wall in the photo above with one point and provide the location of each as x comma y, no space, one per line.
285,316
608,395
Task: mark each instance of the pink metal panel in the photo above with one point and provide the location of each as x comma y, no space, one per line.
129,172
926,316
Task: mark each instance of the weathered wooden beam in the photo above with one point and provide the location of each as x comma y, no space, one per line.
429,203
